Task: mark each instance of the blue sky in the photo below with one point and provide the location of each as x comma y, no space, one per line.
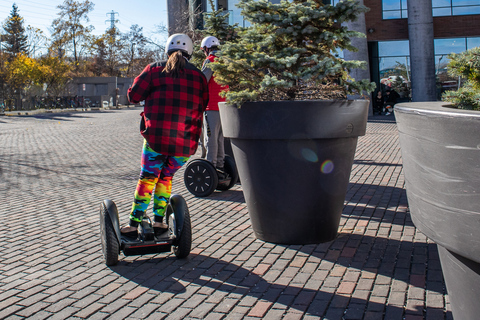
145,13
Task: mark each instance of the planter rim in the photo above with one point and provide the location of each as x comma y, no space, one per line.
305,101
435,108
286,119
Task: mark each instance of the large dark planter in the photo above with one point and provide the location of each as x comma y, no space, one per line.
441,159
294,160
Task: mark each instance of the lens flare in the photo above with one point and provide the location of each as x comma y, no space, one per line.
327,167
309,155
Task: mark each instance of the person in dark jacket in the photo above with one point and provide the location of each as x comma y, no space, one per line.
378,103
176,96
390,100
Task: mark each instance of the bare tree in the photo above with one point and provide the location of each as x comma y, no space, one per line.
36,41
135,43
69,29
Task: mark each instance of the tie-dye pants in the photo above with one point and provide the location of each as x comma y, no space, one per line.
155,178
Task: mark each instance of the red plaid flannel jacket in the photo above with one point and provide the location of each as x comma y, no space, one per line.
173,113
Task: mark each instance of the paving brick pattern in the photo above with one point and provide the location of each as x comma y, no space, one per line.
56,169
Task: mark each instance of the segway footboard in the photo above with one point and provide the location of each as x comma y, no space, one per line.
137,248
147,242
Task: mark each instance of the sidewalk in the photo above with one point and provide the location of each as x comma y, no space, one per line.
56,169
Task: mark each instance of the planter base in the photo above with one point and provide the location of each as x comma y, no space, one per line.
294,214
462,277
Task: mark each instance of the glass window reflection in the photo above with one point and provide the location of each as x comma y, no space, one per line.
393,48
459,11
465,2
391,15
391,4
440,12
441,3
452,45
390,66
396,9
473,43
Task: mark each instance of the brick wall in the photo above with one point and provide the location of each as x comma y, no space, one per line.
397,29
456,26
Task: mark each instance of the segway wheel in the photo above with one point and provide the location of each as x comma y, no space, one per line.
200,178
182,244
231,170
110,245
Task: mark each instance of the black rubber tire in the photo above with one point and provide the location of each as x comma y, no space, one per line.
231,170
110,245
183,244
200,178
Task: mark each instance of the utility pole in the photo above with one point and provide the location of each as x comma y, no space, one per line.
112,19
112,28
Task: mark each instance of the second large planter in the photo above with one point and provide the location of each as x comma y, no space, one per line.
441,160
294,160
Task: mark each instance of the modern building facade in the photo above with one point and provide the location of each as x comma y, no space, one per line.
398,43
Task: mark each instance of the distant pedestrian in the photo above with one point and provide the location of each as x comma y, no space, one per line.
391,100
176,95
378,103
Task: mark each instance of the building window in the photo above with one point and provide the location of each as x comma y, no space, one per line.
397,9
235,16
394,62
455,7
394,66
394,9
443,47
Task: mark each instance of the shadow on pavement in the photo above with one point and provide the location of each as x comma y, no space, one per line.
373,163
61,116
228,195
382,119
175,276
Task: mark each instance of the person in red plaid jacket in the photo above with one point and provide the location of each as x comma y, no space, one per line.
176,96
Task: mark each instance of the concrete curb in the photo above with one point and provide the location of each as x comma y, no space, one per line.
63,110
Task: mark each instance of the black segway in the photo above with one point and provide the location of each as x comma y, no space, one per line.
178,237
201,178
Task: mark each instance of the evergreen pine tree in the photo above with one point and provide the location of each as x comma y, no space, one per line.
467,66
289,52
15,35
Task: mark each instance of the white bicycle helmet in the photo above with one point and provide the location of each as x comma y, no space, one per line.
179,41
209,42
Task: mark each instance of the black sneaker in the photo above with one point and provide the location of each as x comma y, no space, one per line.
129,234
162,228
222,175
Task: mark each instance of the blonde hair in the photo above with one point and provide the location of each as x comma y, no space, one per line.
175,64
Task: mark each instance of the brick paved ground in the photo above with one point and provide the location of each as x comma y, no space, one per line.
55,169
